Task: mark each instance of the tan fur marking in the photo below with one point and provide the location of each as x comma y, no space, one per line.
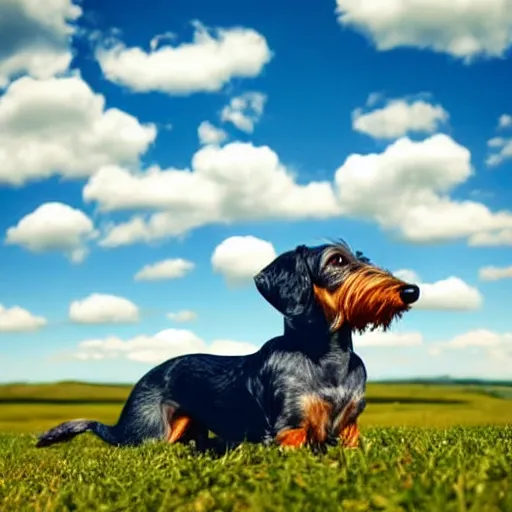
369,296
178,428
350,435
345,416
346,426
317,413
313,427
292,437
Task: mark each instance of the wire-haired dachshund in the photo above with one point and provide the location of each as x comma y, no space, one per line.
304,387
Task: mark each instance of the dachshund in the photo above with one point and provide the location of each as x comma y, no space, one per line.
305,387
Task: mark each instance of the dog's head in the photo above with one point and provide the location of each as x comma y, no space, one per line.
332,281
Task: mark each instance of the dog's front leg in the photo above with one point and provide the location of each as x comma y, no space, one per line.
315,413
346,424
349,436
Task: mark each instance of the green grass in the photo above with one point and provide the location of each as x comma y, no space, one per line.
410,469
426,448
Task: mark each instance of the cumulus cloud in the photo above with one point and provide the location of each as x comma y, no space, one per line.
492,238
465,30
157,40
500,147
81,137
478,338
493,345
239,258
209,134
225,184
399,117
17,319
245,111
379,338
505,121
407,187
501,150
451,293
35,37
479,354
54,227
186,315
100,308
495,273
166,269
232,348
157,348
210,61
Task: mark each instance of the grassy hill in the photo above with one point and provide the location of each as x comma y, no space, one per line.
35,407
426,447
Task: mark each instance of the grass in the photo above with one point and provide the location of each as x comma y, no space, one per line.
426,448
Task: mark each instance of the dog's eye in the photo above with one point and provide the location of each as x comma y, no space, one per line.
336,260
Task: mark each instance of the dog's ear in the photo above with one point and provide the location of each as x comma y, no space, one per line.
286,283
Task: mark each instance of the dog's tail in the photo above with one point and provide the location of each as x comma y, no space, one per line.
70,429
144,416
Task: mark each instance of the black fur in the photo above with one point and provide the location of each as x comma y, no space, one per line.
253,397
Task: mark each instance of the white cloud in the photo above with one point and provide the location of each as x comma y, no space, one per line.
492,238
158,348
156,41
239,258
100,308
166,269
495,346
505,121
35,37
206,64
231,348
496,142
379,338
464,29
495,273
501,150
398,118
185,315
226,184
245,111
451,293
479,354
407,186
407,275
54,227
17,319
209,134
81,137
478,338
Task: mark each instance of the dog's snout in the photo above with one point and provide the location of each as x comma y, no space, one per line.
409,293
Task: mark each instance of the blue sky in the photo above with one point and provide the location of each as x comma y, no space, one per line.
393,132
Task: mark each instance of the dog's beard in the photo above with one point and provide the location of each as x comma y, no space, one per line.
367,300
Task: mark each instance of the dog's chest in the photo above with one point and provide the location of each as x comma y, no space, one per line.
318,390
337,380
339,388
340,382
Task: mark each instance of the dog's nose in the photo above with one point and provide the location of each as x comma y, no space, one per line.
410,293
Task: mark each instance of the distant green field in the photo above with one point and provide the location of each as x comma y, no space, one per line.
32,408
425,448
